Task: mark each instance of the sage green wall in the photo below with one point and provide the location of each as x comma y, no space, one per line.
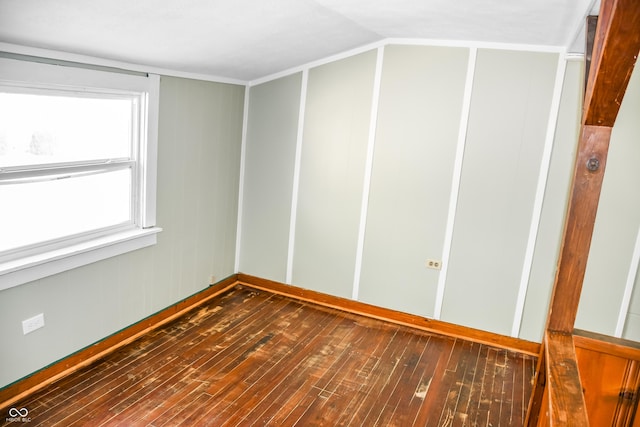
334,147
632,321
509,114
268,178
616,227
418,118
420,107
198,173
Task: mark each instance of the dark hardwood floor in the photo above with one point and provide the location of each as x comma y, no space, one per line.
250,357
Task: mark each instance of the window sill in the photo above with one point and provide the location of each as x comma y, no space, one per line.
20,271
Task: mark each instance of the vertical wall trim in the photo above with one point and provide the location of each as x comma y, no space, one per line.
296,175
243,153
455,182
149,169
536,215
628,289
373,124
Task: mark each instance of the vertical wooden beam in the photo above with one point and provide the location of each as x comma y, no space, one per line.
616,47
566,401
615,50
583,205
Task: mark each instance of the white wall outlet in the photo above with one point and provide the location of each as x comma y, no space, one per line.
434,264
33,323
212,279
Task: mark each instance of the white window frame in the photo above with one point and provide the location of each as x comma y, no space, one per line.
48,259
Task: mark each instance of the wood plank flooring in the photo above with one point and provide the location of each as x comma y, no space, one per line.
253,358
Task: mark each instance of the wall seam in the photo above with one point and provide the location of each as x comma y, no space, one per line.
243,154
296,176
545,165
373,124
628,289
455,182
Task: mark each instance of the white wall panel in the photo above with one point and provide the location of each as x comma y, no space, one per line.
268,179
333,157
418,122
507,126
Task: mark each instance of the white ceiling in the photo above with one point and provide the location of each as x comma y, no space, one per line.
248,39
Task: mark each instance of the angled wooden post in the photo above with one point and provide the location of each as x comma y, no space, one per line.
616,47
558,399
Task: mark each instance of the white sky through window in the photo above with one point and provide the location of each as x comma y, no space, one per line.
42,129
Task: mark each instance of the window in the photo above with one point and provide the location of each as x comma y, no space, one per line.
77,167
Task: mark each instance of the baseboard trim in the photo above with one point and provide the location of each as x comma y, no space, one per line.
418,322
47,375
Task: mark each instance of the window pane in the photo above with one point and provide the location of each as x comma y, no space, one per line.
41,211
43,129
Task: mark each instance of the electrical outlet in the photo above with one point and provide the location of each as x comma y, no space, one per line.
434,264
33,323
212,280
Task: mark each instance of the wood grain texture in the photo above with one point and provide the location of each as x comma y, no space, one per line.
609,372
565,398
616,46
618,347
538,406
583,205
251,357
615,50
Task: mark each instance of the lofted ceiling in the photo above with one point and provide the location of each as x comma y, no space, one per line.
248,39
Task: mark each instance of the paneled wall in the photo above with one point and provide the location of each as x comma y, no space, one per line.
332,164
409,153
199,144
421,102
509,114
268,177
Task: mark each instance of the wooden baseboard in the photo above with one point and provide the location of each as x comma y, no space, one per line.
422,323
17,390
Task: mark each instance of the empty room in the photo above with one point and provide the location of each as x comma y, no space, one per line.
319,212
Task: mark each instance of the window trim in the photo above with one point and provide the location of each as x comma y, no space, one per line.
28,269
110,242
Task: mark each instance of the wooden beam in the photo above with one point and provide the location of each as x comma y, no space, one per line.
589,169
617,43
616,47
615,50
566,401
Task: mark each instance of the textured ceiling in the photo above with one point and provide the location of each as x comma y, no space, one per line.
248,39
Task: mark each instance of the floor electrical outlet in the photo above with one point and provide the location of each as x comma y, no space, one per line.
33,323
